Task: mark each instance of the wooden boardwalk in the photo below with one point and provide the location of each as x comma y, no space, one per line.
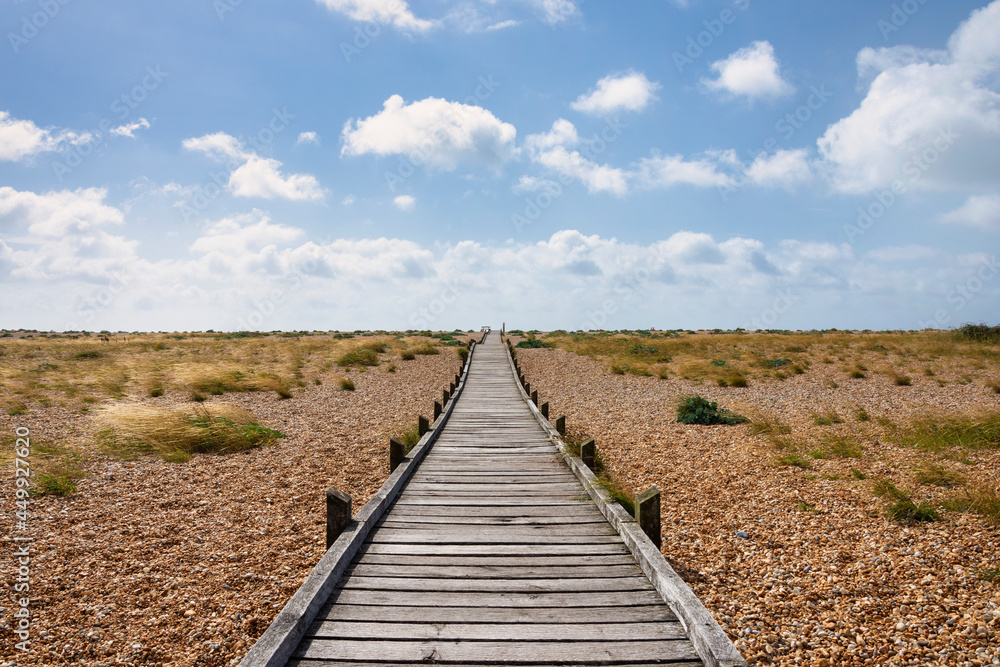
493,554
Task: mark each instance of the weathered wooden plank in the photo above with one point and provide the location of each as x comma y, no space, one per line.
586,615
496,549
524,560
612,632
496,652
471,585
574,510
421,520
306,662
483,600
596,534
503,530
422,570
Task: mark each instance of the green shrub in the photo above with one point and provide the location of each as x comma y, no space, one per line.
697,410
978,333
532,343
346,384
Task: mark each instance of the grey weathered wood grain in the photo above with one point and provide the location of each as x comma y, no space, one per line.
495,652
614,632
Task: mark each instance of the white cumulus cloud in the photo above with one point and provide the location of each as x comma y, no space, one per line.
307,138
930,119
432,131
22,138
982,211
252,175
404,202
388,12
751,72
128,130
631,91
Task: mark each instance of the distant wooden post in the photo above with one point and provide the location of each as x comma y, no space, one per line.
451,389
338,514
458,378
527,388
445,395
422,425
587,451
534,397
647,513
397,452
544,408
561,424
437,407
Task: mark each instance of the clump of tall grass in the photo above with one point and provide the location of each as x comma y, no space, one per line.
900,505
981,500
940,432
174,433
936,474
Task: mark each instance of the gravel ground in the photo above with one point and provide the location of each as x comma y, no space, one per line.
821,578
155,563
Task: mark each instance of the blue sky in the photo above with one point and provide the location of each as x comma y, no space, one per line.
341,164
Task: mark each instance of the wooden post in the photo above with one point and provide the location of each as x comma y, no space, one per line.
561,424
544,408
647,513
458,378
422,425
534,397
397,452
527,388
338,514
446,396
437,407
451,389
587,452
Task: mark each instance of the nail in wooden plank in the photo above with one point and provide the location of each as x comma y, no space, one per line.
647,513
338,514
397,452
587,451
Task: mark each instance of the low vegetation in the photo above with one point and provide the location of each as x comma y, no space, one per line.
175,433
900,505
698,410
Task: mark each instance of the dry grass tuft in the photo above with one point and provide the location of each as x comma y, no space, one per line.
131,430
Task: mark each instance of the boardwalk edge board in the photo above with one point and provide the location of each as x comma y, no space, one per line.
276,646
710,641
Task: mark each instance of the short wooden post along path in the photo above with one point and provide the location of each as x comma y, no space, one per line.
486,548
